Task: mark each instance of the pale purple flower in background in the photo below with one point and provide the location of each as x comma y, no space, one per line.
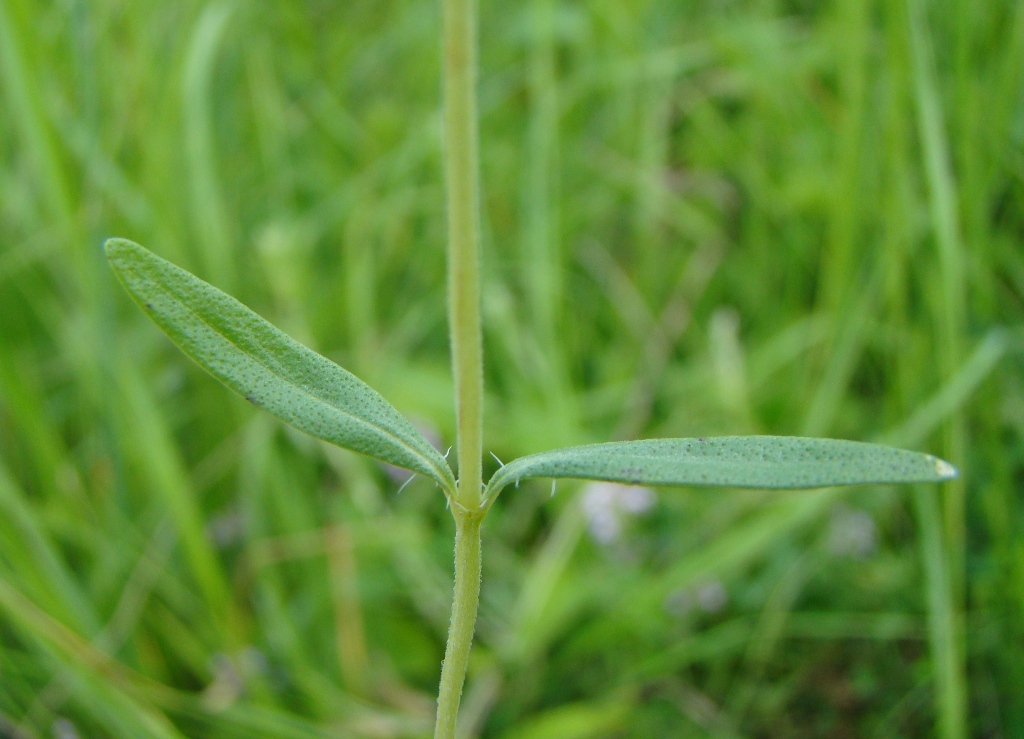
636,500
226,528
63,729
605,503
710,596
852,533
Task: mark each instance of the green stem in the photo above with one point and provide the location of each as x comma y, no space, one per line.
461,170
460,633
461,159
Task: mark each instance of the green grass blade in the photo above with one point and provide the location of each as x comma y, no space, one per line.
944,630
24,113
780,462
27,549
270,369
952,319
93,677
212,222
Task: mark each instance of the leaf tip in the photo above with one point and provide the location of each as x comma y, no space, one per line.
944,469
117,250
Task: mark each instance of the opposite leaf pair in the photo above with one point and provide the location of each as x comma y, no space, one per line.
313,394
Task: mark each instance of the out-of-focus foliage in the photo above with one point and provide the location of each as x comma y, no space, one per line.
699,218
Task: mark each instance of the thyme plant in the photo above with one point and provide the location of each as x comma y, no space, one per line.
313,394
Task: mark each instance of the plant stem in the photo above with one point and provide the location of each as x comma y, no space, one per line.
460,632
461,170
461,159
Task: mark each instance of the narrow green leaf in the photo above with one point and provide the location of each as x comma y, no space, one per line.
270,369
733,461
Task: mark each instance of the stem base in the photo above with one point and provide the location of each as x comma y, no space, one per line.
463,623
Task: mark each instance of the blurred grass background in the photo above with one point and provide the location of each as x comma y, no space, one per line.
700,217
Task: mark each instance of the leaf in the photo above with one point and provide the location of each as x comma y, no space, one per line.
732,461
270,369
